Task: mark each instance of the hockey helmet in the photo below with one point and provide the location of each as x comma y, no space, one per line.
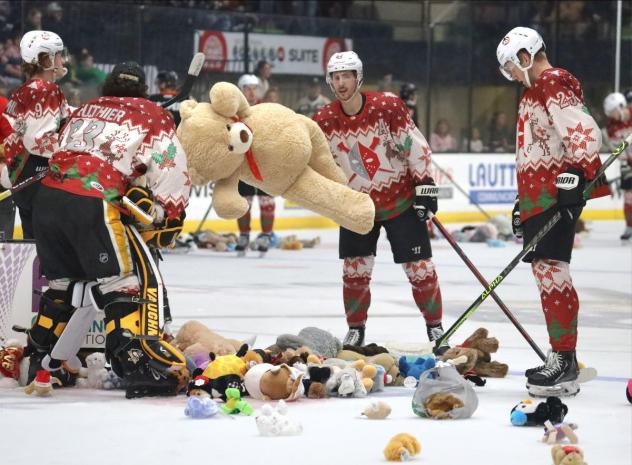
344,61
613,102
519,38
168,78
35,42
407,90
247,80
129,71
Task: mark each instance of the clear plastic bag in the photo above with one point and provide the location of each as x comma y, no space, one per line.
444,379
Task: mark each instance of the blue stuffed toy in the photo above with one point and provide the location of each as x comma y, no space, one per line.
201,407
415,366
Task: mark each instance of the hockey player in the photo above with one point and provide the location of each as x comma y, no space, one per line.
249,85
90,257
558,153
619,126
167,82
35,111
382,153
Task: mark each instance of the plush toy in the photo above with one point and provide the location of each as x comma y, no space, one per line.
10,357
386,360
527,413
557,433
270,382
440,405
478,349
401,448
269,147
223,372
95,374
377,410
219,242
567,455
274,421
200,407
628,391
234,403
345,382
42,385
321,342
315,381
367,350
415,366
194,338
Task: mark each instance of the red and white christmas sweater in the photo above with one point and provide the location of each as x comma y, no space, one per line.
616,131
110,142
35,112
380,150
555,132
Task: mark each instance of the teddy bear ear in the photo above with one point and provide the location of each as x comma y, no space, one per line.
226,99
186,108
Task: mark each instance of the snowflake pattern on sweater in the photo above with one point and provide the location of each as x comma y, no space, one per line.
110,142
380,150
35,112
555,131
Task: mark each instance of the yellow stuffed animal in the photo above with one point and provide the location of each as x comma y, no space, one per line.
272,148
402,447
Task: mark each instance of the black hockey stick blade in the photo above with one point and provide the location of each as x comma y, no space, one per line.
194,71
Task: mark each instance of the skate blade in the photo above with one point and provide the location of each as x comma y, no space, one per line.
567,389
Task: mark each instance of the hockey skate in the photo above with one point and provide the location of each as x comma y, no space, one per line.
242,244
354,337
150,381
627,235
434,334
262,244
559,376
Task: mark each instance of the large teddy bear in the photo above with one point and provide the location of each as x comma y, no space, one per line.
270,147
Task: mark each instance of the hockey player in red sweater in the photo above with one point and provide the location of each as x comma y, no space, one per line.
557,154
382,153
36,110
618,110
114,145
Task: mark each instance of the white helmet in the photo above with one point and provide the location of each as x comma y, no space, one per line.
247,80
517,39
344,61
35,42
613,102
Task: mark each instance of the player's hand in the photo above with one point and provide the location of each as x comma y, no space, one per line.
516,224
144,200
425,203
166,235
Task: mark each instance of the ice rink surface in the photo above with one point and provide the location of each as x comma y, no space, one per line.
289,290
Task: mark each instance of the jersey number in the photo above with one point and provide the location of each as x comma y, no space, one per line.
83,138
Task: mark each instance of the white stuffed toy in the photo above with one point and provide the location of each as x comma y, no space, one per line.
95,374
274,421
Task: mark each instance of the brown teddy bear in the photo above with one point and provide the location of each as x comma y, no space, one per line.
478,349
386,360
269,382
439,405
567,455
272,148
402,447
194,338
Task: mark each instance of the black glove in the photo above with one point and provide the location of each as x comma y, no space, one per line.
570,193
166,235
626,176
516,224
425,203
143,199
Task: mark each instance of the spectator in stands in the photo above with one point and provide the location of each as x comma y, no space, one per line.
272,95
7,208
476,144
263,71
87,73
33,20
441,140
501,137
313,101
7,25
386,84
11,74
54,19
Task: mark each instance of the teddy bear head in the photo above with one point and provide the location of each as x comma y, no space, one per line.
215,127
567,455
95,361
274,421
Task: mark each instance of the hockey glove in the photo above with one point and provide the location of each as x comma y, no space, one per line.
166,235
570,193
143,199
516,224
425,203
626,175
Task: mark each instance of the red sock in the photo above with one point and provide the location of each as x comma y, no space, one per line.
356,292
244,222
559,302
267,207
426,291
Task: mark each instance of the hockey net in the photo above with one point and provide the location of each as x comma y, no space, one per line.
15,286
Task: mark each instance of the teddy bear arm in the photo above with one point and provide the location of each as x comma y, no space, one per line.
322,161
492,369
226,199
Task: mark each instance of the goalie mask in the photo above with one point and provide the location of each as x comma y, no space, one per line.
519,38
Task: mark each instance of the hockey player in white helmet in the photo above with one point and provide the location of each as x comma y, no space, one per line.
35,112
617,109
557,140
249,84
382,153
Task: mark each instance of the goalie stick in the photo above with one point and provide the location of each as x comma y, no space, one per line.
194,70
526,249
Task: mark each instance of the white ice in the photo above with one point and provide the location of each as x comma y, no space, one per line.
289,290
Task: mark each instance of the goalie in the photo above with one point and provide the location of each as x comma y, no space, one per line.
89,248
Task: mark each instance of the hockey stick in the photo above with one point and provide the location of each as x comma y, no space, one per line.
526,249
460,189
482,280
194,70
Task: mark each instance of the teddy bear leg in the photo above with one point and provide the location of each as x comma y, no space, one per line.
350,209
226,199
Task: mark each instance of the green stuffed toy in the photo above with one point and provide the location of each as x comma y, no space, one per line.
234,404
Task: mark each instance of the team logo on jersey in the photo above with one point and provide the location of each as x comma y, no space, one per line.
363,160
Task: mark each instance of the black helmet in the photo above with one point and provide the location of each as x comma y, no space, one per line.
126,80
168,78
628,95
407,90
